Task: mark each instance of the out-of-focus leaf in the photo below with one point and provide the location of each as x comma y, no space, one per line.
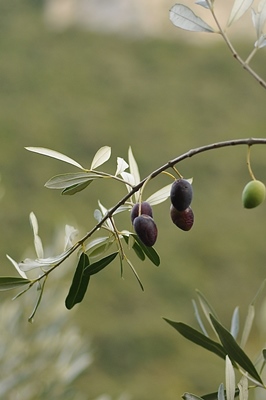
261,42
198,318
75,188
230,380
243,388
37,240
104,211
68,180
235,323
122,208
16,265
12,282
150,252
234,351
102,155
122,165
98,246
198,338
248,325
214,396
183,17
133,166
129,180
239,8
259,18
206,308
221,394
29,264
79,283
54,154
190,396
71,234
97,266
159,196
203,3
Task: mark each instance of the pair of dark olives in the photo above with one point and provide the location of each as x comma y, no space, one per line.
180,211
143,223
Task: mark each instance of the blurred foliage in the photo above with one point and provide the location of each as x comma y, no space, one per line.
75,92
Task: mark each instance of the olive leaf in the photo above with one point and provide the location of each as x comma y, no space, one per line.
198,338
76,188
54,154
233,350
79,283
97,266
190,396
150,252
239,8
12,282
102,155
183,17
68,180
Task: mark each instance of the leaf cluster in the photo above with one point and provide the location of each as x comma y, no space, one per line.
226,348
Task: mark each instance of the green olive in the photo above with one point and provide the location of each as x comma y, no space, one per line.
253,194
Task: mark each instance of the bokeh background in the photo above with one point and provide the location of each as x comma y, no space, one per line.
75,76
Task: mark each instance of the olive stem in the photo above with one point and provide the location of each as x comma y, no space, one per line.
249,164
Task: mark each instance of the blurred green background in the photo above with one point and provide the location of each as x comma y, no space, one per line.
75,91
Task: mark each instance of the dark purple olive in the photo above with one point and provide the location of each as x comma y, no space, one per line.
182,219
145,208
181,194
146,229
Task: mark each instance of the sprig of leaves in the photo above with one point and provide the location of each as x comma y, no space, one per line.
226,348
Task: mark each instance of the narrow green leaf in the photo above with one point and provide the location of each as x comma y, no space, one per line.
97,266
150,252
54,154
214,395
136,247
79,283
198,338
248,325
75,188
234,351
12,282
138,250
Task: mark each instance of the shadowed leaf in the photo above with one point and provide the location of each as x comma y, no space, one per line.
150,252
79,284
12,282
234,351
97,266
